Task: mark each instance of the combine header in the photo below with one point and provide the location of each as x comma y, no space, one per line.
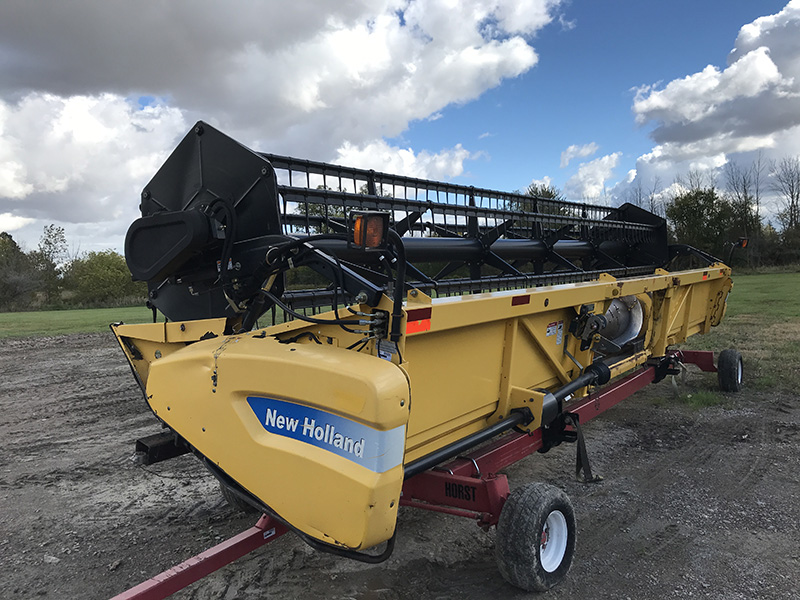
340,342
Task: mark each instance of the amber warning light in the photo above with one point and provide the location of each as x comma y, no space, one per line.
369,230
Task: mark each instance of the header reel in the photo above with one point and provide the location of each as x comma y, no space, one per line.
224,231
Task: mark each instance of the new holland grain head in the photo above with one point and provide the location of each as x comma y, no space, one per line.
332,332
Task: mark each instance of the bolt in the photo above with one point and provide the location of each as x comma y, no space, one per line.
145,195
199,131
263,170
153,294
158,353
183,327
413,293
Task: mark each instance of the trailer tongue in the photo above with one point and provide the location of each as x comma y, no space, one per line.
339,342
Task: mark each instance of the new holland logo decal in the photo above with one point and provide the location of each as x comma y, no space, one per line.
376,450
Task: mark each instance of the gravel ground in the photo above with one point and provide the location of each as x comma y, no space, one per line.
694,503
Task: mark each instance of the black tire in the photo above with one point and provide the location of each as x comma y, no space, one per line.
730,370
236,502
535,537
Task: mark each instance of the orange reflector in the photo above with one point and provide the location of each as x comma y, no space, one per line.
369,230
418,326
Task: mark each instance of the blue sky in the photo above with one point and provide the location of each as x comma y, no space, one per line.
582,89
595,97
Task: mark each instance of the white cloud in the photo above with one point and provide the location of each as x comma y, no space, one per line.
545,181
79,159
704,94
576,151
293,75
590,180
381,156
719,114
293,78
9,222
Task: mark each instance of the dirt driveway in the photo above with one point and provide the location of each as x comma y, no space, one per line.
695,503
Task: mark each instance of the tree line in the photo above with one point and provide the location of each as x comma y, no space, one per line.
48,278
760,202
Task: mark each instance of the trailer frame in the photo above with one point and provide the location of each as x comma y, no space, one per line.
470,486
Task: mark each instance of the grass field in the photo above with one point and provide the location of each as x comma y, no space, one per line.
56,322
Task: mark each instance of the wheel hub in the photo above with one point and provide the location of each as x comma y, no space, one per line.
553,541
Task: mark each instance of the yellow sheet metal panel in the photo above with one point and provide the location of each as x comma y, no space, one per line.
453,373
329,421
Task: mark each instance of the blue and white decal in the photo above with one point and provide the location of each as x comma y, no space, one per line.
376,450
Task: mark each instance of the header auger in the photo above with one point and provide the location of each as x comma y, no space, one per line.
396,341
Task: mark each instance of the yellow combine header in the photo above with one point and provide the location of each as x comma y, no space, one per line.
338,342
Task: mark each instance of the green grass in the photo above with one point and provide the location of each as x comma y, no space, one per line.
57,322
773,295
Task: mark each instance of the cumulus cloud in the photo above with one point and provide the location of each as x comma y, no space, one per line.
294,74
79,159
9,222
753,104
590,180
576,151
381,156
293,78
545,181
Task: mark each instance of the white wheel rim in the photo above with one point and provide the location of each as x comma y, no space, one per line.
553,544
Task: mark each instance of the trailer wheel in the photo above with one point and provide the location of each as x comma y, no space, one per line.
535,537
730,370
235,501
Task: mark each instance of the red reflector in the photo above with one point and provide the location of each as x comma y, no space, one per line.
517,300
418,314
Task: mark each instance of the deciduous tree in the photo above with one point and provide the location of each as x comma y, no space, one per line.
18,280
102,278
786,184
